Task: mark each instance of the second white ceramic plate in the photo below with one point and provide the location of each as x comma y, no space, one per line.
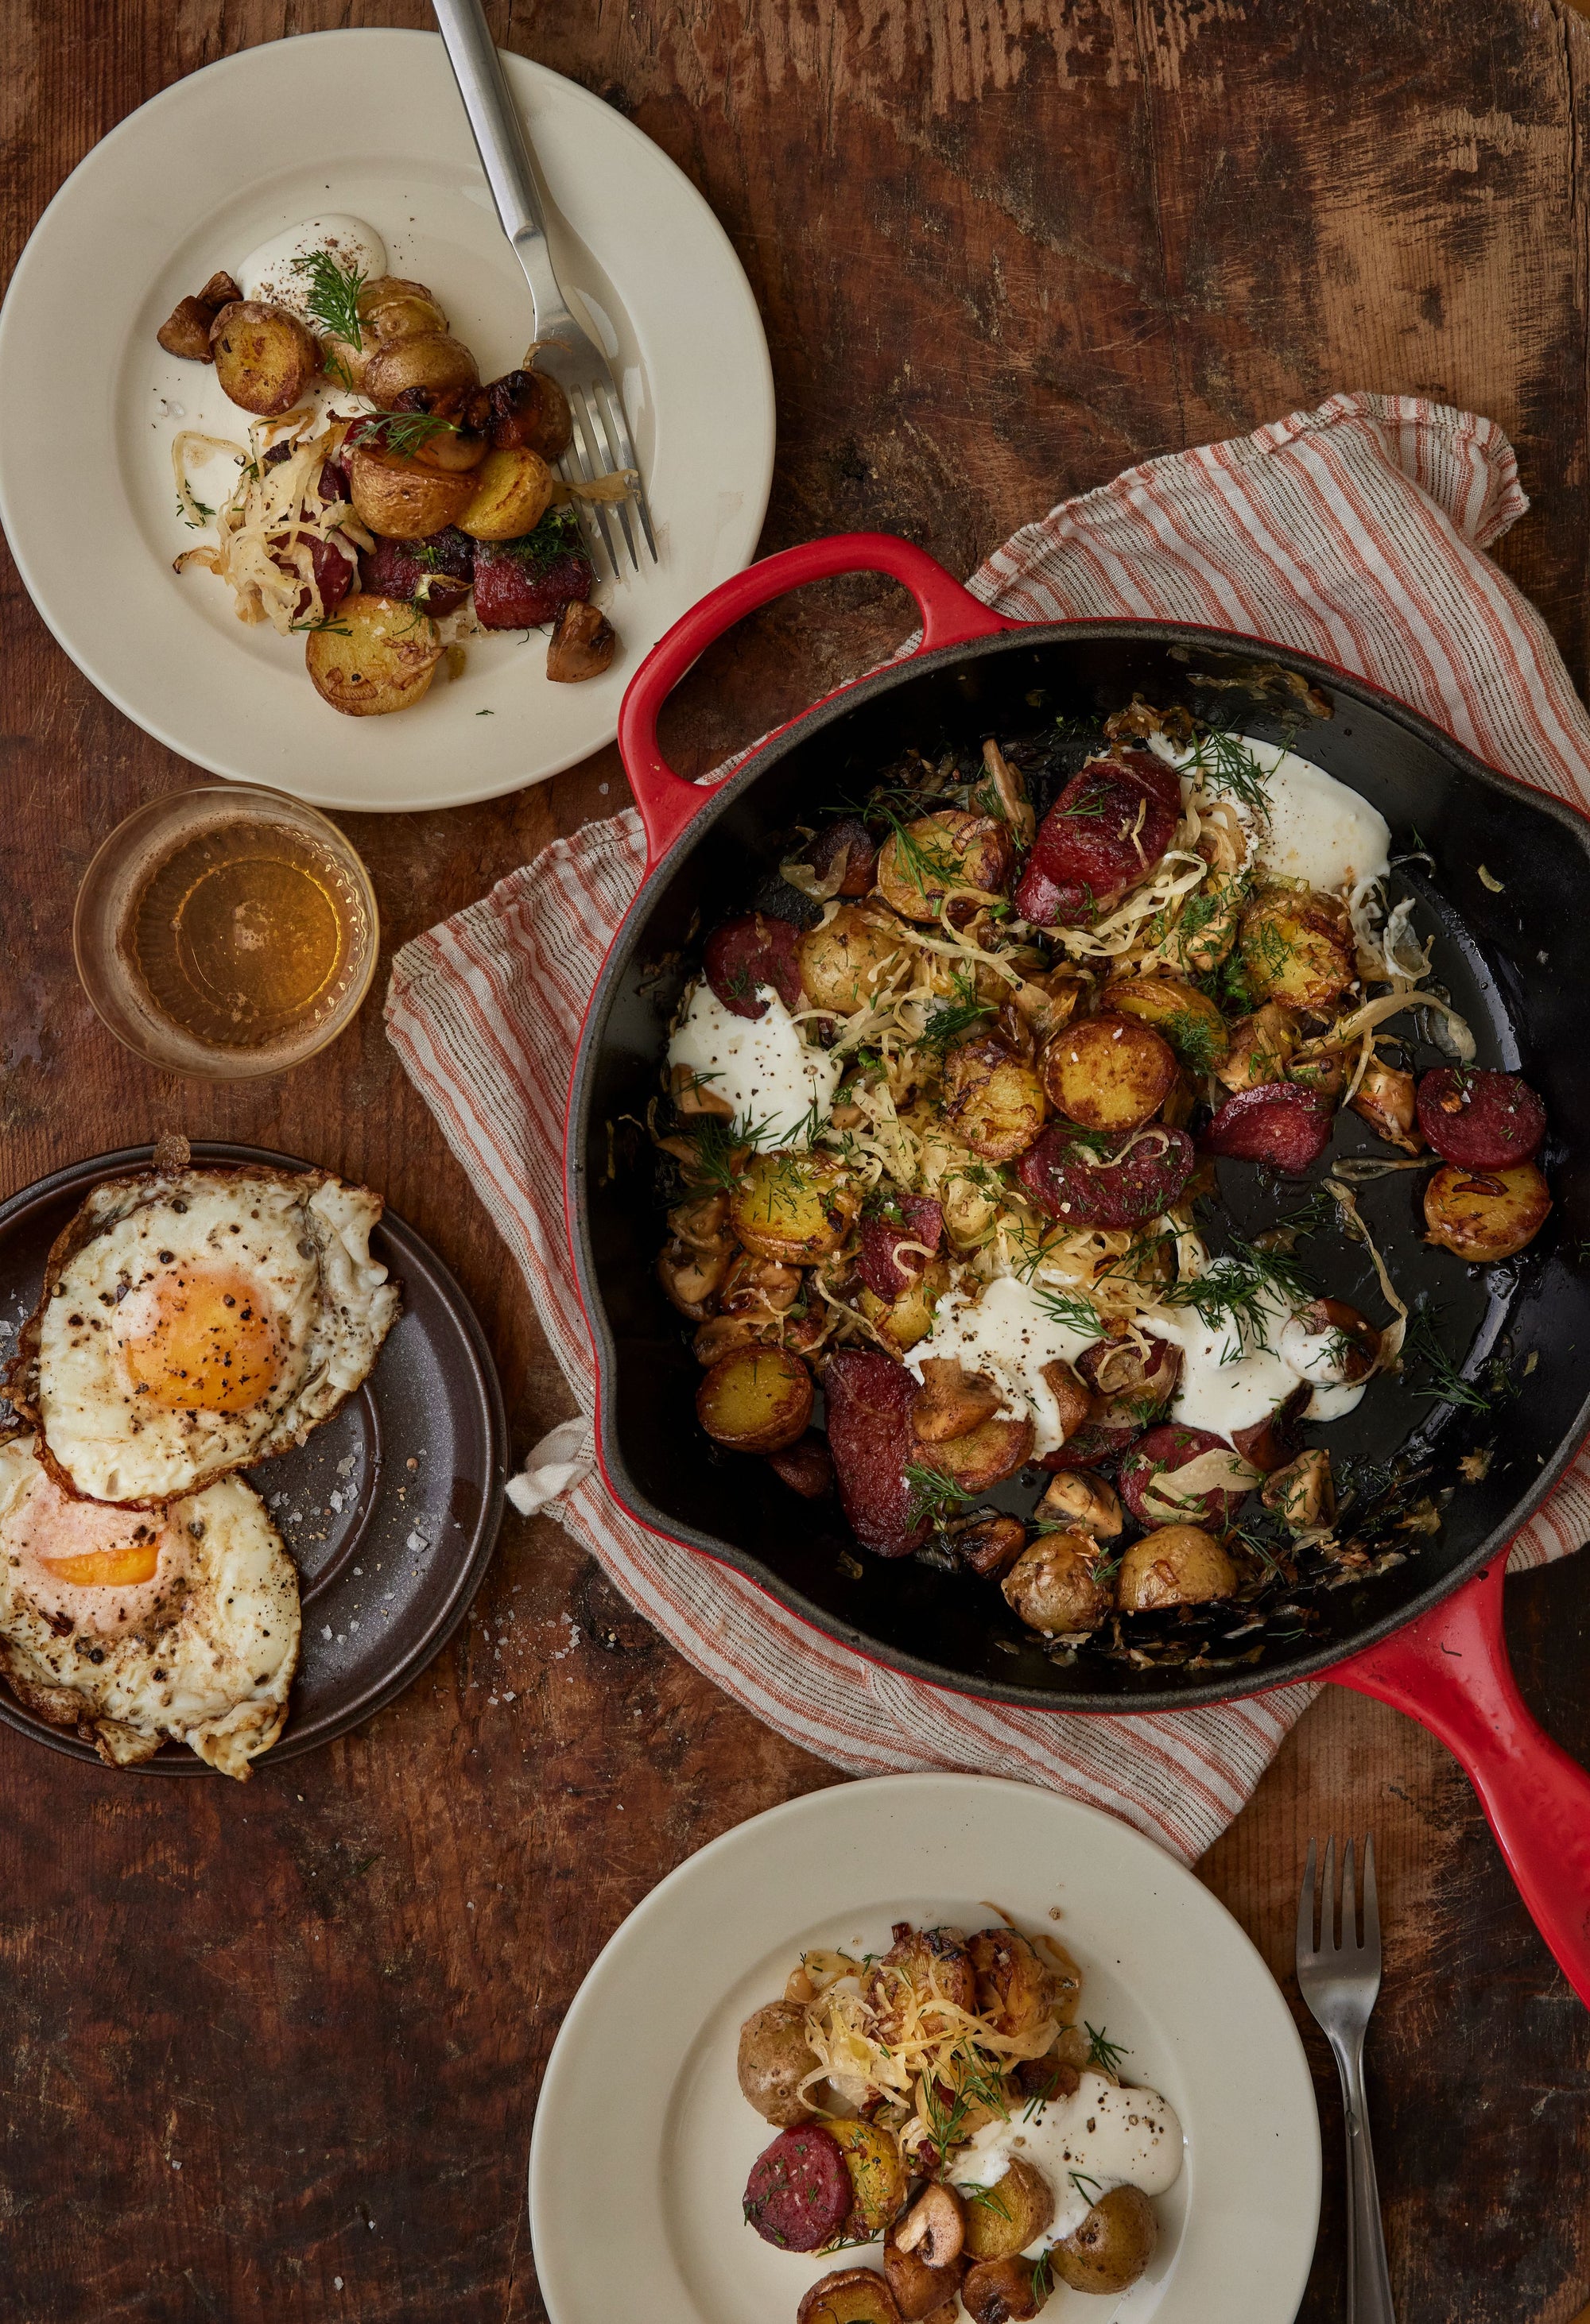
367,123
642,2141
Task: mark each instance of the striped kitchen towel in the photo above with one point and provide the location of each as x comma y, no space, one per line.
1355,533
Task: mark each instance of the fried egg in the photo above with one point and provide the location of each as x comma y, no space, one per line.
131,1626
195,1321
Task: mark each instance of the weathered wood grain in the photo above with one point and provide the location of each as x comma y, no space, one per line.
1003,248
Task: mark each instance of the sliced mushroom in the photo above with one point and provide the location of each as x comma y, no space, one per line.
692,1094
582,644
1260,1047
692,1277
760,1286
1385,1098
1070,1392
953,1401
1303,1494
991,1546
1011,791
1083,1504
935,2228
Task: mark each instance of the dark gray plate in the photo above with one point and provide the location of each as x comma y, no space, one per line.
391,1510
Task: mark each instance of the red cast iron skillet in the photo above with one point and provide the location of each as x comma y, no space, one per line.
1515,956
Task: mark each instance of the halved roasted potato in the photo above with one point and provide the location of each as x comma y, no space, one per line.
851,2295
1484,1215
993,1450
877,2174
1296,948
378,655
1185,1018
793,1206
1109,1072
405,499
921,863
1177,1565
1055,1587
512,490
844,965
266,359
755,1399
904,1321
993,1102
1011,2214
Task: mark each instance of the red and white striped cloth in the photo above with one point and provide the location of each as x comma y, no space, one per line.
1354,532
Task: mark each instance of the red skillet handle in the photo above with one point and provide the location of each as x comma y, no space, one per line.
950,615
1449,1670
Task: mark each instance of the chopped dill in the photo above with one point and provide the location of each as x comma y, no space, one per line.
1447,1383
1224,763
333,295
402,433
933,1495
328,625
1082,2180
1241,1292
952,1020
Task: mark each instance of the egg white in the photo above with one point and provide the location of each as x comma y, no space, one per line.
204,1652
298,1245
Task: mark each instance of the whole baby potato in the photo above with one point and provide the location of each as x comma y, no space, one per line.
1113,2244
774,2055
434,362
1109,1072
993,1102
1054,1585
919,865
844,964
1179,1565
266,359
404,499
512,490
1294,948
1012,2213
378,655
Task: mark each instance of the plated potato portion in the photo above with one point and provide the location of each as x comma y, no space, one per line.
264,359
376,657
755,1399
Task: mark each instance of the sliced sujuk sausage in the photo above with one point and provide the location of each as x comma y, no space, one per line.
1481,1120
1069,1179
870,1400
886,1268
799,2194
754,950
1107,831
1279,1123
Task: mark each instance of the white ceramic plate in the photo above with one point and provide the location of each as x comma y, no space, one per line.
642,2141
367,123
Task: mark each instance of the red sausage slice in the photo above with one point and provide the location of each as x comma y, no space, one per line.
745,954
1280,1123
1481,1120
799,2194
1069,1180
882,1267
1107,831
870,1399
1153,1461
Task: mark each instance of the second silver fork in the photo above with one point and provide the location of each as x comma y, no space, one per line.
1339,1979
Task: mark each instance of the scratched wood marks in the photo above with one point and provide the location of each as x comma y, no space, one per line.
1002,251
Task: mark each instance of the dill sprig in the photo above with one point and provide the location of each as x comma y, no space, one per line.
718,1159
1241,1292
1102,2052
1448,1383
933,1495
403,433
923,861
333,295
1068,1307
951,1020
1224,763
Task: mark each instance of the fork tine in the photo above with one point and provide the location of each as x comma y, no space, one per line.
1372,1909
1306,1946
1327,1907
605,444
1349,1903
618,431
579,451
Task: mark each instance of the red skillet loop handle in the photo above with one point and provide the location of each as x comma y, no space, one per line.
1449,1670
951,616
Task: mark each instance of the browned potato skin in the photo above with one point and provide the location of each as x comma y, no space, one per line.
1053,1585
1484,1215
842,965
1027,2206
582,644
773,2055
1109,1072
264,359
1002,2292
1385,1098
512,490
755,1400
433,362
795,1207
1016,1987
1177,1565
927,1961
1260,1047
1113,2244
378,656
1187,1018
993,1102
851,2295
910,1318
529,408
1293,949
993,1450
402,498
991,1547
1085,1504
953,1401
878,2179
919,2289
916,883
1071,1393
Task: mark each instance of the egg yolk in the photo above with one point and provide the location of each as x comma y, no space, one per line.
97,1567
207,1344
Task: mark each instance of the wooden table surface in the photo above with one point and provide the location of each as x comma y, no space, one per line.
272,2051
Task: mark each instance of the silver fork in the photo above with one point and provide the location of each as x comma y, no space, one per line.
566,351
1339,1981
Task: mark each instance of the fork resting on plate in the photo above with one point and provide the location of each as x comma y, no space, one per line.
1339,1980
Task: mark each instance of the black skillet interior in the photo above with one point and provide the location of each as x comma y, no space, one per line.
1509,902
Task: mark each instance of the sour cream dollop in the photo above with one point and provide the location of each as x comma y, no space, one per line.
270,273
1107,2137
1005,1331
1231,1379
1317,829
759,1065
